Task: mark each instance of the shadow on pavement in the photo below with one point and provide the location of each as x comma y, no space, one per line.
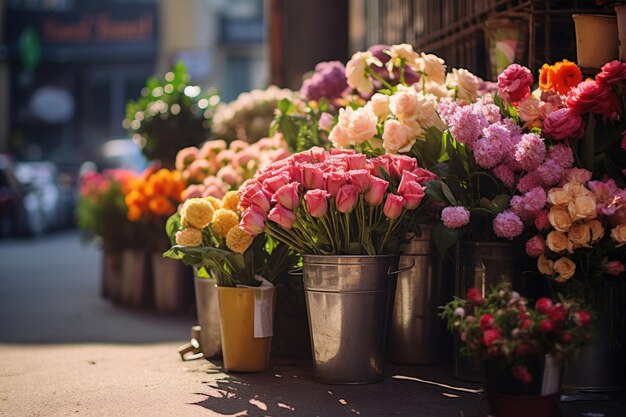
50,293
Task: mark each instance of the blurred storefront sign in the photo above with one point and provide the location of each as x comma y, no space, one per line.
237,30
89,30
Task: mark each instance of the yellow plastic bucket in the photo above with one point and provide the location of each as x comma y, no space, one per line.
241,351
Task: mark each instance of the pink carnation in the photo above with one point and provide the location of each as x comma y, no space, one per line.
466,124
529,203
550,172
562,155
615,268
529,181
530,151
455,217
563,124
612,72
593,97
514,83
508,225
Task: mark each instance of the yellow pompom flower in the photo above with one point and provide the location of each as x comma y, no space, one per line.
223,221
231,200
238,240
197,213
189,237
215,202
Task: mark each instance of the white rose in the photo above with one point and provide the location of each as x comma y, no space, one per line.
436,89
466,84
379,104
402,51
433,68
404,103
355,72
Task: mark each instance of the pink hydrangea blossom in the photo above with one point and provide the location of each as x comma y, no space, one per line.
562,155
505,174
530,151
563,124
455,217
529,181
514,83
508,225
466,124
550,172
529,203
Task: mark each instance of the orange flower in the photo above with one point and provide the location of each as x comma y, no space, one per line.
135,198
134,213
568,76
161,206
547,75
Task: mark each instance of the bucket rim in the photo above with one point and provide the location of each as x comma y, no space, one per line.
594,16
331,259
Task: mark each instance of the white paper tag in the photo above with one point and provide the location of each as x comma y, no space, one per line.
263,307
551,374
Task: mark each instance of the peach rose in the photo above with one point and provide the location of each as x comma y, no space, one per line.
579,175
618,234
403,51
576,189
560,219
353,127
597,230
580,235
583,207
530,112
556,241
465,83
379,104
398,136
558,196
565,269
434,88
433,67
545,265
404,103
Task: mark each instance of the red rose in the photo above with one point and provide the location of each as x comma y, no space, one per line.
526,323
546,326
521,373
486,322
523,349
543,305
582,318
558,314
491,336
566,337
474,296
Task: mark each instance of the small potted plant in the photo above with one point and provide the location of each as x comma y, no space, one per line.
521,347
207,236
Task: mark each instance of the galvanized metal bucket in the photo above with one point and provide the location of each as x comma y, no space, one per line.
349,301
173,290
480,265
208,309
418,335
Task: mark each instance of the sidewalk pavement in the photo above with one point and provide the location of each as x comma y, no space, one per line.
66,351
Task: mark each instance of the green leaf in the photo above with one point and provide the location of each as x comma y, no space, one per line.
501,202
448,193
172,226
445,238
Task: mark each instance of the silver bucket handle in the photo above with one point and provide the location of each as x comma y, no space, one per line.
297,272
401,270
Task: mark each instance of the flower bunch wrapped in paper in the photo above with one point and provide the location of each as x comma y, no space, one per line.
205,233
337,202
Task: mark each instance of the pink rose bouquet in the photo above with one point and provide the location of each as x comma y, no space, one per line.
512,337
338,202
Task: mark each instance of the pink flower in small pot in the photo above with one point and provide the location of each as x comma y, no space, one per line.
287,196
563,124
334,181
375,195
514,83
253,220
394,205
614,268
360,178
282,216
312,177
346,198
535,246
316,202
